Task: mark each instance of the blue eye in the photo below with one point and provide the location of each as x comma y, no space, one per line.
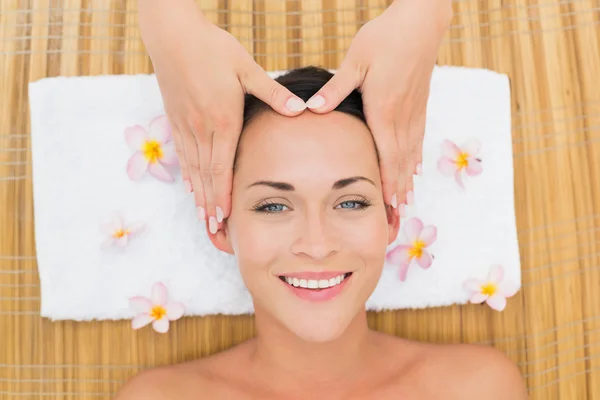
355,204
270,208
350,204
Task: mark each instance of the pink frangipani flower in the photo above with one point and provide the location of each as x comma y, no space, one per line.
117,232
154,150
494,290
416,239
456,159
157,309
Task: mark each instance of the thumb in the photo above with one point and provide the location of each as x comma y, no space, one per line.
259,84
343,82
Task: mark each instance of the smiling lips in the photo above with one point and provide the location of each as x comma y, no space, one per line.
316,286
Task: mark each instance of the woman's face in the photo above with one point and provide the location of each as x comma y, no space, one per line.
307,203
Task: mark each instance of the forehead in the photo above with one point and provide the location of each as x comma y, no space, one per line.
329,140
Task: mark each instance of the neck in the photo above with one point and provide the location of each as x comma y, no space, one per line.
290,361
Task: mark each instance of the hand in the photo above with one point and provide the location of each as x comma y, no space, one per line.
390,61
203,73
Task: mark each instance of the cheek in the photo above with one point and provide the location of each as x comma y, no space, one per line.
254,244
366,238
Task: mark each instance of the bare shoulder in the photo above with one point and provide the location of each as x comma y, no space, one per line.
165,383
473,371
183,381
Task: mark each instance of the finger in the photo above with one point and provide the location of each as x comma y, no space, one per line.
205,150
221,168
259,84
193,157
420,131
401,133
183,163
344,81
387,148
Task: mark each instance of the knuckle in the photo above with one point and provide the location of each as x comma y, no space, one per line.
274,92
206,176
217,169
195,167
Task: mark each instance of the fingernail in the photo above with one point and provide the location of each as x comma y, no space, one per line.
188,186
394,201
419,169
219,214
401,210
410,198
316,101
200,213
294,104
212,225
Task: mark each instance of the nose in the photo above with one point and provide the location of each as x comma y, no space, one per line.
316,238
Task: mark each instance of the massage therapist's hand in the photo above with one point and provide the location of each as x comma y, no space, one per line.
203,73
390,61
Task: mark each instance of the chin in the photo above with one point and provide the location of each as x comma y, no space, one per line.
318,329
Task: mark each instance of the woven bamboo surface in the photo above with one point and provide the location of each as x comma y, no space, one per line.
549,48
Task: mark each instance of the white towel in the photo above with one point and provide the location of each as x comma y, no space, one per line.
79,177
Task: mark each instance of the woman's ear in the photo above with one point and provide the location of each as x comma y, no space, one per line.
220,239
393,218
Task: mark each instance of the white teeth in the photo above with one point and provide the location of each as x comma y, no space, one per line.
315,284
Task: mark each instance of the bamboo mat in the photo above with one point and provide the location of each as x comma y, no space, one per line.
549,48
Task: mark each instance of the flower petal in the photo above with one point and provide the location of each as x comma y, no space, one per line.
450,150
446,166
472,147
174,310
160,129
158,171
135,227
159,294
141,321
135,136
496,274
497,302
474,167
136,166
108,228
508,288
122,241
399,255
478,298
140,304
473,285
403,271
428,235
412,229
425,260
169,156
458,179
161,325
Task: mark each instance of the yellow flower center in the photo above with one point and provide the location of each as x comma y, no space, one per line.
152,151
489,289
158,312
120,233
417,249
461,161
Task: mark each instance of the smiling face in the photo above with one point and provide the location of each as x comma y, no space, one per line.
306,200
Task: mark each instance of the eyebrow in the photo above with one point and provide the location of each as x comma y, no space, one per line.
288,187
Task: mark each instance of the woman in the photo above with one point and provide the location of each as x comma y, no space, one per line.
309,228
203,73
